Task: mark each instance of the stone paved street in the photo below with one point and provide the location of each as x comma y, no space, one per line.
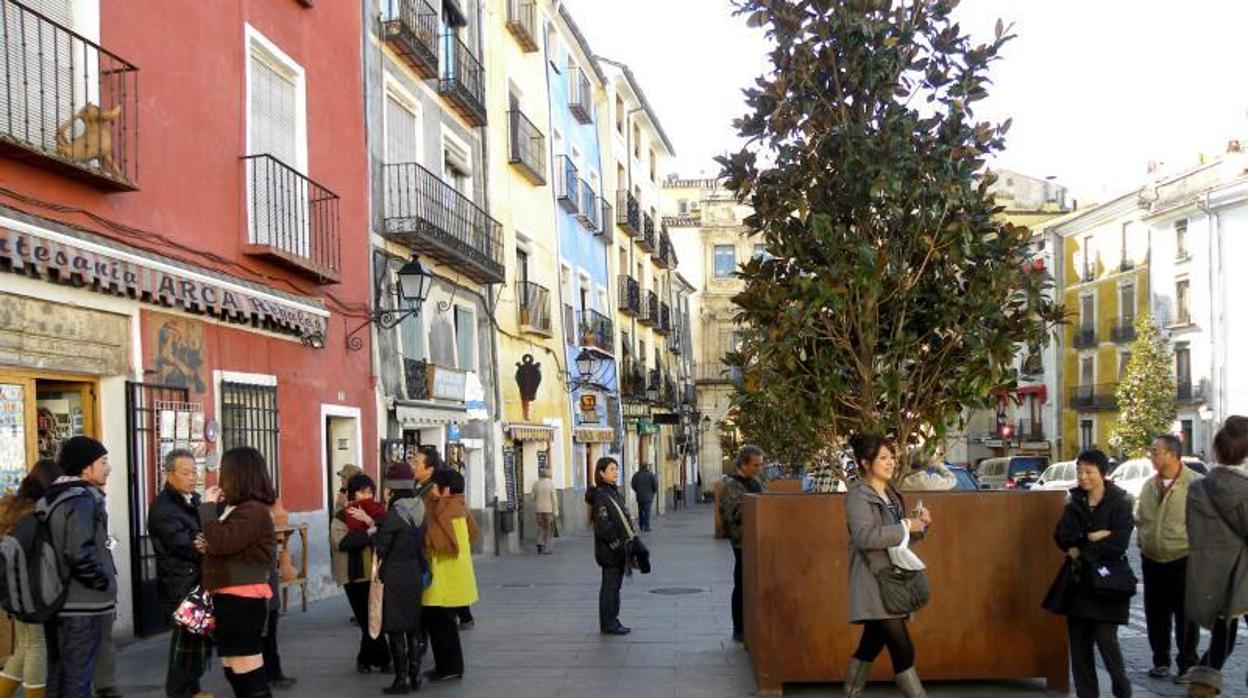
536,634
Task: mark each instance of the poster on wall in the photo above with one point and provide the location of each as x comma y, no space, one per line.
180,426
509,479
179,347
12,435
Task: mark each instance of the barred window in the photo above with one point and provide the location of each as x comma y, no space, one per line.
249,418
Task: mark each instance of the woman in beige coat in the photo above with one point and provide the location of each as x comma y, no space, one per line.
877,521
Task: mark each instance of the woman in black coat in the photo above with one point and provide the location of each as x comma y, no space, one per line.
612,531
1094,532
400,544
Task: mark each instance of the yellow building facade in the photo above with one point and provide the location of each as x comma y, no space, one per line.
1104,285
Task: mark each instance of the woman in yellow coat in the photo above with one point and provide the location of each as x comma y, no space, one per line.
448,539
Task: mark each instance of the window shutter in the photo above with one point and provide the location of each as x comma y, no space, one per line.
400,132
273,113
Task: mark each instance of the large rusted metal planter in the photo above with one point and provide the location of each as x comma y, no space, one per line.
990,560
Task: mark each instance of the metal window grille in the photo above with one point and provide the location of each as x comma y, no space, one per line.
249,418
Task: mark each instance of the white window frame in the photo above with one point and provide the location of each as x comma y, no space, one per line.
449,137
258,45
265,379
475,350
395,88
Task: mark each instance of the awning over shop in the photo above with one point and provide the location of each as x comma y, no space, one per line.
412,415
530,432
593,435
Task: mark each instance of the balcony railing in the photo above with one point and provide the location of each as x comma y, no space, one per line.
580,96
1124,331
66,103
567,184
527,147
606,222
646,238
665,319
596,330
1188,392
431,217
630,296
1085,337
463,80
587,212
522,23
654,311
410,28
291,220
633,381
627,212
663,252
1030,430
533,301
1102,396
716,373
675,341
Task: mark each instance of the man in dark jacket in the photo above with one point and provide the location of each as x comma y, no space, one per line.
78,519
173,522
744,480
645,486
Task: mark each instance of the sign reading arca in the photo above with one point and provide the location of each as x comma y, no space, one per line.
111,274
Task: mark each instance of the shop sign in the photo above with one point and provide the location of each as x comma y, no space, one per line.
449,383
153,284
634,410
645,426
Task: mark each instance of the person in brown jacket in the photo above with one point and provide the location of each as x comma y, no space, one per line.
239,549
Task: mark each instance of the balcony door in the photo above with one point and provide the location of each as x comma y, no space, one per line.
1183,369
44,90
1087,376
1087,312
277,190
402,146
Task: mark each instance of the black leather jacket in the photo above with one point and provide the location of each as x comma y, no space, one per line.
610,530
173,523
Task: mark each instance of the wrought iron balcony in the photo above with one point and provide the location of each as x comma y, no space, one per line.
567,184
1188,392
580,96
675,341
587,212
1124,331
1030,430
522,23
664,325
606,222
645,240
1103,396
291,220
630,296
463,80
654,381
717,373
526,147
1085,337
654,313
410,28
633,381
627,212
596,330
533,300
431,217
66,103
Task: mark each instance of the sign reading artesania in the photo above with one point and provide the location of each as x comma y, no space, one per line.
152,284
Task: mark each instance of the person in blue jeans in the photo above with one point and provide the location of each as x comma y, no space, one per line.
78,519
645,486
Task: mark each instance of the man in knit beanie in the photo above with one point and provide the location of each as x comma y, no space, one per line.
78,519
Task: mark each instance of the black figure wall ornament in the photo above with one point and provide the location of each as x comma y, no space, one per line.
528,378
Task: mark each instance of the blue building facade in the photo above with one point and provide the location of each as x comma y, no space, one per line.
584,225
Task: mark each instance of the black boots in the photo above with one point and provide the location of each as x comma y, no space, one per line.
253,684
415,655
398,652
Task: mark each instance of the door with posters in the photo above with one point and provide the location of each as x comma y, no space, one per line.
38,412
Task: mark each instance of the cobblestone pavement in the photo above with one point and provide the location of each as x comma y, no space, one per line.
536,634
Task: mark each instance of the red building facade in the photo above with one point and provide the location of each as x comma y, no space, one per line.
183,248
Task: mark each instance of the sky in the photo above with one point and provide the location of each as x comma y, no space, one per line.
1097,88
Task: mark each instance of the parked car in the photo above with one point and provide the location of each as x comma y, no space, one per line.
1132,475
1196,464
1059,476
1011,472
966,479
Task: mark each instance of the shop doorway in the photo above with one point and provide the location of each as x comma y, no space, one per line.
341,448
37,413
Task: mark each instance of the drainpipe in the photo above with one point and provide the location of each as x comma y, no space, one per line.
1214,225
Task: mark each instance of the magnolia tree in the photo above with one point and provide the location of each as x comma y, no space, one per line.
1145,393
892,297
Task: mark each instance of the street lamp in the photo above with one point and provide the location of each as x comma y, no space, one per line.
415,281
587,365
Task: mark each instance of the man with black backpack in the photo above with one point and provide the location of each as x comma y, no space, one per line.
77,519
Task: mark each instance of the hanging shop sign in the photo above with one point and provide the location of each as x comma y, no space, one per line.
155,282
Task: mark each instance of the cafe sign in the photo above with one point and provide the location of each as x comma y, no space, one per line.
153,281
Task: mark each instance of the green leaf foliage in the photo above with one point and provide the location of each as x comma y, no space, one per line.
1145,393
894,297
